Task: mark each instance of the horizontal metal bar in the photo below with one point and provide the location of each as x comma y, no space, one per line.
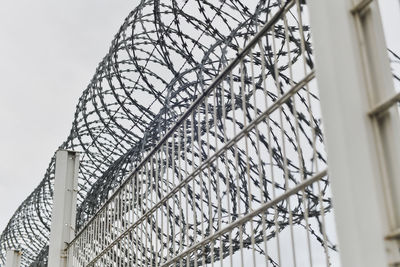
385,105
361,6
267,26
393,235
205,163
250,215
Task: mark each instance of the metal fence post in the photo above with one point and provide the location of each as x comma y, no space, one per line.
354,78
64,206
13,258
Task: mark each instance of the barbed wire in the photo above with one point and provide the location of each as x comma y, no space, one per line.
164,55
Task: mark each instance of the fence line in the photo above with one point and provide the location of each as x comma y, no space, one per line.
243,169
240,55
240,176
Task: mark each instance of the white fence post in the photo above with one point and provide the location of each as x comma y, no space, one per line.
353,75
64,206
13,258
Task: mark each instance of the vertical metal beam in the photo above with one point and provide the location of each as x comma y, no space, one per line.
13,258
64,206
353,75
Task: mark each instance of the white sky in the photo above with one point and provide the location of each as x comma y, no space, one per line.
49,51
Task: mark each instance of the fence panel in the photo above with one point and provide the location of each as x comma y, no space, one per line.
241,178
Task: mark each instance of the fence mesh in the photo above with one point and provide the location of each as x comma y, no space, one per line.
240,178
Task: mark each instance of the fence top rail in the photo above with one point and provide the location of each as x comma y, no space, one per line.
241,54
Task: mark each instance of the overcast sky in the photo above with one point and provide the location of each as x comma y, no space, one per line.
49,51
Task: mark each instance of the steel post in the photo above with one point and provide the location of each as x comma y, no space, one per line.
353,74
64,206
13,258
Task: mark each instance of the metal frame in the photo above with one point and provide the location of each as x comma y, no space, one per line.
64,208
361,120
13,258
122,231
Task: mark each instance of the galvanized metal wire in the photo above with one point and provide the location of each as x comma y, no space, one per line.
232,174
214,133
